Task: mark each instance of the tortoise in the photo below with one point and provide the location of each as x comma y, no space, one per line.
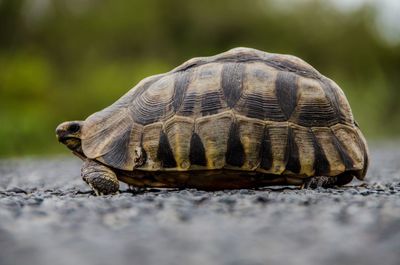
240,119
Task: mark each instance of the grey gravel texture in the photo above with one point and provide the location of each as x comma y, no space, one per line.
49,216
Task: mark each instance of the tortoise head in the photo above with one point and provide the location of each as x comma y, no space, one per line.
69,133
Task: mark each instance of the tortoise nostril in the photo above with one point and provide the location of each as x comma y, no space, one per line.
59,131
74,127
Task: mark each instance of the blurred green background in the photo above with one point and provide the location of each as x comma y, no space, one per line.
65,59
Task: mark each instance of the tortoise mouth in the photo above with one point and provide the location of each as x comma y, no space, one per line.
72,143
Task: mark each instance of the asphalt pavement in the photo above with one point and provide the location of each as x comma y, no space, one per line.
48,215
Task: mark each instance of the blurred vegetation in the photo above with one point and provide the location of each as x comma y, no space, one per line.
65,59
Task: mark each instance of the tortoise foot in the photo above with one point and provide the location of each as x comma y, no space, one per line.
319,182
135,189
101,179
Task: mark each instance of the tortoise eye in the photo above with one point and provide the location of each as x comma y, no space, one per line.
74,127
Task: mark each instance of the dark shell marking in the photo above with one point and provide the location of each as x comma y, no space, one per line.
243,110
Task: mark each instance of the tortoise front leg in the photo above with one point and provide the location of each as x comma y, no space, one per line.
100,178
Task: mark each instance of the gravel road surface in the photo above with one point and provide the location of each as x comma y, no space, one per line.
49,216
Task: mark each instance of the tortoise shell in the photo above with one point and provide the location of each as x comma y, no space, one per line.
242,110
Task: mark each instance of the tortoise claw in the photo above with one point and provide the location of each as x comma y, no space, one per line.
94,189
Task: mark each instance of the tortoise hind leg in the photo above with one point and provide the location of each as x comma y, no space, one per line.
318,182
100,178
327,182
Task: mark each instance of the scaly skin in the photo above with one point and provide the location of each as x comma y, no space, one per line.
100,178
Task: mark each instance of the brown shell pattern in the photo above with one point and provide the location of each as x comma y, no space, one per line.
243,110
